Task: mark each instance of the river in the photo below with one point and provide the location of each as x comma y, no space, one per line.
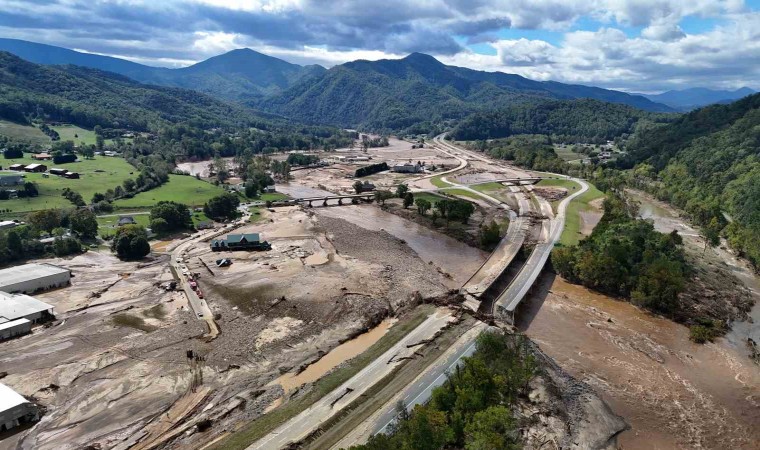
453,257
672,392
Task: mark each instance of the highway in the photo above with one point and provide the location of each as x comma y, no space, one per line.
310,419
435,374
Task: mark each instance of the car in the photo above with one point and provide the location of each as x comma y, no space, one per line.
200,314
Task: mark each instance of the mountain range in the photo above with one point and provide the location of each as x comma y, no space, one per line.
241,74
688,99
385,94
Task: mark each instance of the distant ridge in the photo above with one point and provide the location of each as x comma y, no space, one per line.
688,99
240,74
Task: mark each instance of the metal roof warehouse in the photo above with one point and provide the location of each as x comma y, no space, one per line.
21,306
30,278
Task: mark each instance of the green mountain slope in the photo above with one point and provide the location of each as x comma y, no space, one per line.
394,94
688,99
241,74
577,119
89,97
708,163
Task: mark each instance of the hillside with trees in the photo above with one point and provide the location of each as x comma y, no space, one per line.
397,94
585,120
707,163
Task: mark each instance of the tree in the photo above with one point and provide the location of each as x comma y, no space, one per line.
159,225
129,185
423,205
174,215
99,142
251,189
13,153
381,196
84,222
222,207
408,200
44,220
401,190
434,217
490,234
97,197
358,186
63,246
30,189
130,242
15,246
492,428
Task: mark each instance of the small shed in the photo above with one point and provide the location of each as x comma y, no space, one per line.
71,175
126,220
16,167
57,171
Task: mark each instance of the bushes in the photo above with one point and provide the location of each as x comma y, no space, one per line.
167,216
371,169
65,158
13,153
222,207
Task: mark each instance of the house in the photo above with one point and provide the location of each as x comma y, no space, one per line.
35,168
605,155
8,224
11,178
205,225
126,220
247,241
57,171
42,156
71,175
269,190
367,186
407,168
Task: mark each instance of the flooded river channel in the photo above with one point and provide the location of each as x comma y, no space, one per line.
453,257
673,393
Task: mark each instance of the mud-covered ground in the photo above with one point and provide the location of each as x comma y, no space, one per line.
114,365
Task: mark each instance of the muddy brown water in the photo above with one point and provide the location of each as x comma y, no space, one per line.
453,257
335,357
672,392
665,220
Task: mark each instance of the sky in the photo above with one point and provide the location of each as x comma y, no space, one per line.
632,45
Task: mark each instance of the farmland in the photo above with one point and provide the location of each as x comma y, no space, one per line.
179,188
97,175
23,133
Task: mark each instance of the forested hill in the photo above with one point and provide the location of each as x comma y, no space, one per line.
708,163
240,74
394,94
89,97
583,119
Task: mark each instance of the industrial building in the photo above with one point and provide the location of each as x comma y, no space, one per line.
15,409
21,306
408,168
15,328
31,278
248,241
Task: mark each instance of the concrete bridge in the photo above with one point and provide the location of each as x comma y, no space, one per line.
520,181
352,199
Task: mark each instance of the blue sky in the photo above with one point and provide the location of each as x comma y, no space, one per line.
633,45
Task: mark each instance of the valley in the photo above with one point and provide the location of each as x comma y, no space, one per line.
476,235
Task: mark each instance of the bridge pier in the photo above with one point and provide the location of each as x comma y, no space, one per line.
325,203
354,201
310,204
340,201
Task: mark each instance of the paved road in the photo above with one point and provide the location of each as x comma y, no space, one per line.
310,419
435,374
418,391
508,301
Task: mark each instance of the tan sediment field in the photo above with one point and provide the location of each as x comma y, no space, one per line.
672,392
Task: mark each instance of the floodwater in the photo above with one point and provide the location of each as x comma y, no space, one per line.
335,357
453,257
672,392
666,220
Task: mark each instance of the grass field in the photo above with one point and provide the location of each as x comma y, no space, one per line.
271,197
567,154
179,188
438,182
571,234
260,427
24,133
80,135
463,193
111,172
488,187
432,198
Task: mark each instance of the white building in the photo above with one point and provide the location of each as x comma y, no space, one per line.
407,168
30,278
15,328
15,409
22,306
